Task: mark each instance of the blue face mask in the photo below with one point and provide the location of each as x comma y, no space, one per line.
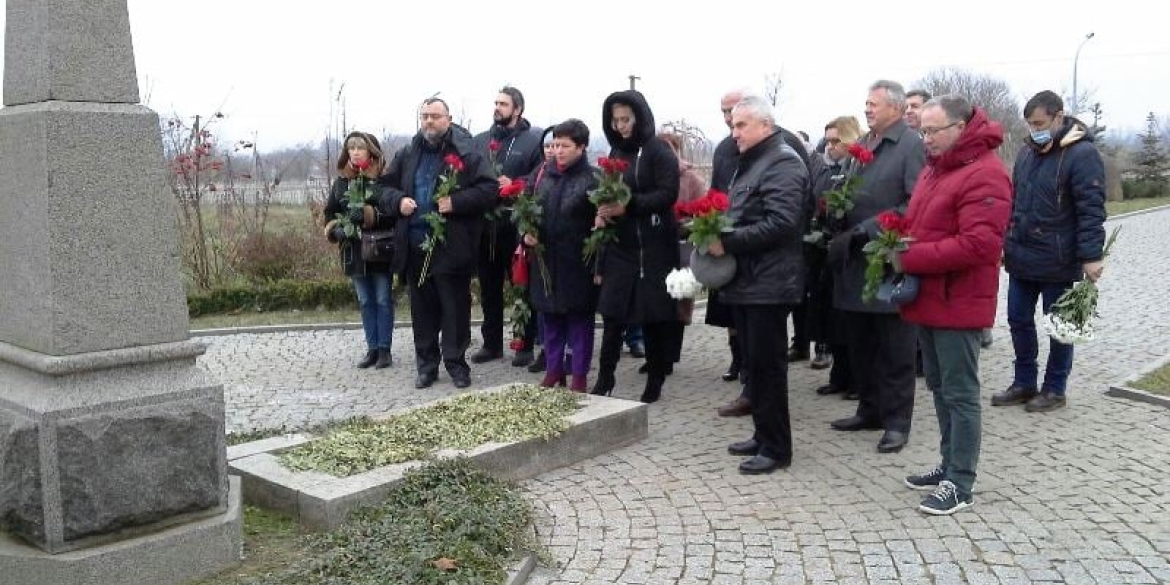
1041,137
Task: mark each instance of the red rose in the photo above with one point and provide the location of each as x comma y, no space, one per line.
682,209
619,165
719,200
361,164
516,345
605,164
822,206
514,189
890,221
452,160
494,145
861,153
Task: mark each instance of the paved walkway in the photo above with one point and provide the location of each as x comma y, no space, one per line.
1081,495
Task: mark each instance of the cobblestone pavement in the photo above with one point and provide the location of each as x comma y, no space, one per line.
1079,495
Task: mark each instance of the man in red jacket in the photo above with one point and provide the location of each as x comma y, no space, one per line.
957,217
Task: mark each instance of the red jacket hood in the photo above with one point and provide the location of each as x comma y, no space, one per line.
981,135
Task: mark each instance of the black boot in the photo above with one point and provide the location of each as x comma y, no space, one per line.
371,357
655,377
604,385
733,370
385,360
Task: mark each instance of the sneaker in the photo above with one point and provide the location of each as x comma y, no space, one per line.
1044,402
945,500
1015,394
927,480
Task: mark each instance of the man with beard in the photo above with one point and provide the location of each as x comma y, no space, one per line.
881,345
513,148
440,296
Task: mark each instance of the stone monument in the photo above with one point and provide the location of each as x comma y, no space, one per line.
112,455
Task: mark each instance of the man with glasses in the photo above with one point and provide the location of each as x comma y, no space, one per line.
1055,238
881,344
440,299
957,218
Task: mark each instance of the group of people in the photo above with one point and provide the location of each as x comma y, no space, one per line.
800,222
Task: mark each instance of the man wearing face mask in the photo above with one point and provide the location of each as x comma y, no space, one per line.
1055,238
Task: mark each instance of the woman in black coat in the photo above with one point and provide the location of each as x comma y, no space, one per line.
568,300
632,271
362,156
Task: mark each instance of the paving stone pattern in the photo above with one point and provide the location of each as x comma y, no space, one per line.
1075,496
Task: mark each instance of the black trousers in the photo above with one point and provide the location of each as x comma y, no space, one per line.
819,301
440,316
881,354
494,272
763,335
662,342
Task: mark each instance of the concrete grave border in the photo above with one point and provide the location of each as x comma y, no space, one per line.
1124,390
322,502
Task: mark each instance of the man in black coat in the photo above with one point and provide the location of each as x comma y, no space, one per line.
440,298
768,210
513,149
881,345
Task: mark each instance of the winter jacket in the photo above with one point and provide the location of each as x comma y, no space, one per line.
567,218
475,194
726,157
1059,207
768,210
350,250
634,269
520,153
886,183
957,218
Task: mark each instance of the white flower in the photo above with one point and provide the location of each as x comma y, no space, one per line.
681,284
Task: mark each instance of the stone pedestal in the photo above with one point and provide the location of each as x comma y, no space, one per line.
112,455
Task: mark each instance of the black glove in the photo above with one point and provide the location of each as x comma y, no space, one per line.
357,216
337,234
839,248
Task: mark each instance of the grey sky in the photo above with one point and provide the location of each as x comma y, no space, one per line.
270,63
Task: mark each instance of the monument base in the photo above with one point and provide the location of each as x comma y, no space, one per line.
170,557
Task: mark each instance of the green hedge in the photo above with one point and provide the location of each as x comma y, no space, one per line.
273,296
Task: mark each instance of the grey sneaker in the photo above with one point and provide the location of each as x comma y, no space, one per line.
927,480
945,500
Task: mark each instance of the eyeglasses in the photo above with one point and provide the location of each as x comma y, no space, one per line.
833,140
928,132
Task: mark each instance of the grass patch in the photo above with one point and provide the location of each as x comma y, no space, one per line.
1118,207
519,412
272,542
290,317
1157,381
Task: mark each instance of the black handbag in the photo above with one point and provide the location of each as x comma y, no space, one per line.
378,246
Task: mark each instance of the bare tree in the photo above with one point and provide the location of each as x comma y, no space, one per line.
993,95
696,148
773,85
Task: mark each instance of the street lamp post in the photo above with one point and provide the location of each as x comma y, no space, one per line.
1076,102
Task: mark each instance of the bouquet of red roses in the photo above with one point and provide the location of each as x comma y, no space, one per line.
448,181
892,238
707,218
526,214
611,190
357,195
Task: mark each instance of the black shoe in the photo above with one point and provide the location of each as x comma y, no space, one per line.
1045,402
744,448
642,368
1013,395
797,354
385,360
637,351
537,365
851,395
604,384
760,464
823,359
927,480
461,380
425,380
522,358
986,338
732,373
854,423
828,389
484,354
892,442
370,359
945,500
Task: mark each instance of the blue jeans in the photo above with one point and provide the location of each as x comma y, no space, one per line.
950,364
377,307
1021,309
633,335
